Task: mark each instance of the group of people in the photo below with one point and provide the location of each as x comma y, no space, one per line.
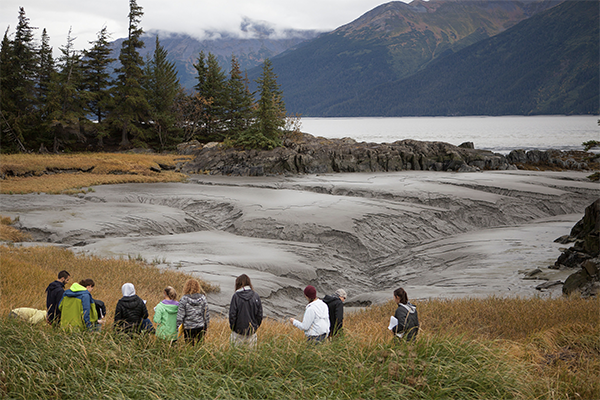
189,317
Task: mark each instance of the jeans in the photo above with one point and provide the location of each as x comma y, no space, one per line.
316,339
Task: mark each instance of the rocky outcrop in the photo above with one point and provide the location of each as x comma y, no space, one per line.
584,255
554,159
309,155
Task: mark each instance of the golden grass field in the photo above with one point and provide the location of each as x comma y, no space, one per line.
72,173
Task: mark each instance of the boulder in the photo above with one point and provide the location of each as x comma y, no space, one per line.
584,254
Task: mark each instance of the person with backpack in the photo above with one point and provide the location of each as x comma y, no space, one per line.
245,312
405,322
335,303
77,307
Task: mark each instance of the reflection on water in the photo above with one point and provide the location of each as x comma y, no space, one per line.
498,134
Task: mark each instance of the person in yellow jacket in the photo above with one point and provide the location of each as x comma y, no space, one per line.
77,307
31,315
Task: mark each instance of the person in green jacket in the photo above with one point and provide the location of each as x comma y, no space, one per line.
77,307
165,315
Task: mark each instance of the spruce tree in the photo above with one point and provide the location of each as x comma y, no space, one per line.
97,81
162,88
240,110
131,107
267,129
46,69
18,84
10,139
45,81
212,88
66,98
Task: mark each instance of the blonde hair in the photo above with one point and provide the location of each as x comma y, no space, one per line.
171,293
192,286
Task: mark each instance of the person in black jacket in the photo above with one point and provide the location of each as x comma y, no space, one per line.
245,312
406,317
131,310
54,294
335,303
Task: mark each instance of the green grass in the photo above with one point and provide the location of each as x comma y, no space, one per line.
44,363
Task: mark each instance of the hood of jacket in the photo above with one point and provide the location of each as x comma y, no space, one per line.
195,299
55,285
331,299
76,290
409,307
246,295
131,301
320,308
170,308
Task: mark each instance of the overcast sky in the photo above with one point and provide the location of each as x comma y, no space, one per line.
87,18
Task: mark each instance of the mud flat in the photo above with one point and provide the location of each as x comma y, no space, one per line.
438,234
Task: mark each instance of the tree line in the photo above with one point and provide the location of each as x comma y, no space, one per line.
79,102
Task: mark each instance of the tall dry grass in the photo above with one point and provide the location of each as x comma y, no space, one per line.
468,348
27,271
10,234
70,173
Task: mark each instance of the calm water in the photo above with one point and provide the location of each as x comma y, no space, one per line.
498,134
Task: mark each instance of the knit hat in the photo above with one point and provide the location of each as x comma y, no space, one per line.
128,290
341,293
310,292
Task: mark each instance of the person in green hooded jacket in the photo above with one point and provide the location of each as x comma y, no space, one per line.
77,307
165,315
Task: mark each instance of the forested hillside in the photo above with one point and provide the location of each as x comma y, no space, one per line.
183,50
547,64
388,43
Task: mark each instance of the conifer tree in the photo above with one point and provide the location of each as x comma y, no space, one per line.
46,69
45,81
18,99
162,88
131,106
10,139
97,81
66,98
240,102
267,129
212,88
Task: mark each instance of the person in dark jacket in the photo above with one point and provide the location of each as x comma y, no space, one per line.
406,317
245,312
335,303
54,294
193,312
131,310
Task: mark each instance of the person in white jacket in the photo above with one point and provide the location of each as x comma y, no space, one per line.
315,322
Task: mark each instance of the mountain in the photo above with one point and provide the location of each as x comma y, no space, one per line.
183,50
547,64
386,44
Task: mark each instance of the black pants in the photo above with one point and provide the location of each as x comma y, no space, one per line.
194,335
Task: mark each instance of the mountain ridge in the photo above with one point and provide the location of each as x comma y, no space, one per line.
392,41
547,64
